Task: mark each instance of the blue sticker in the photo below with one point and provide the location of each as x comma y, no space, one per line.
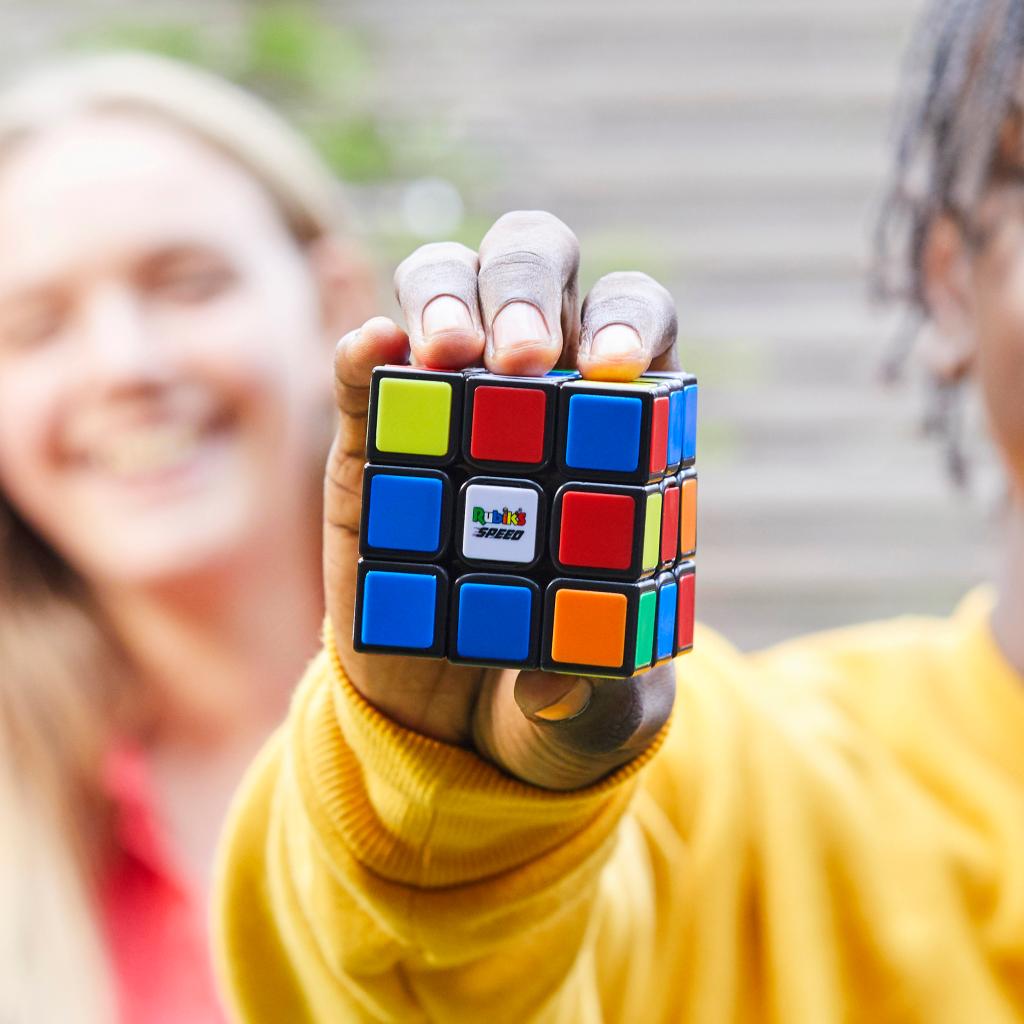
676,426
604,432
398,609
494,622
666,619
690,415
405,513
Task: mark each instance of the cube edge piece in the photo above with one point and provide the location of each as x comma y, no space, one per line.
549,386
532,659
636,570
366,550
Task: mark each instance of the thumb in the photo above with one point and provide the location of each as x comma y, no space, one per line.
565,732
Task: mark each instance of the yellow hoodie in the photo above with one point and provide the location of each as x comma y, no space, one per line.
832,830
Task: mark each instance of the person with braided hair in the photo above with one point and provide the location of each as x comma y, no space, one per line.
831,830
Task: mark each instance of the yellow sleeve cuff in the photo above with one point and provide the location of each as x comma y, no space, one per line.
418,812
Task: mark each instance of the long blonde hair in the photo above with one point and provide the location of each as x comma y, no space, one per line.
65,691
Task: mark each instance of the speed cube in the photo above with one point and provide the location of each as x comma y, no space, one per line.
528,522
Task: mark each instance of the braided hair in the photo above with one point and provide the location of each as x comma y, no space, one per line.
958,118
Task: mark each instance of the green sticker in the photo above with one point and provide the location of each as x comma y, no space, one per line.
645,628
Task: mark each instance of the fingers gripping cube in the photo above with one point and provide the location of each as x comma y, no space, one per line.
519,522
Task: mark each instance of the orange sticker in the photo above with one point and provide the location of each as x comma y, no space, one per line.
688,517
589,628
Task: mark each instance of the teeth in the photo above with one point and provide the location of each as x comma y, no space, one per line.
147,450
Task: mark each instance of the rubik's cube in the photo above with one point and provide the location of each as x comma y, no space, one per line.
525,522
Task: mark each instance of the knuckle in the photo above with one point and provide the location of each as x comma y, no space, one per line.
435,268
632,282
523,274
534,229
632,297
514,264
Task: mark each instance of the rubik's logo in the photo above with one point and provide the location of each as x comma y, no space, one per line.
496,518
499,523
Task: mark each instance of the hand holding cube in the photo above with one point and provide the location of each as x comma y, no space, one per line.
525,260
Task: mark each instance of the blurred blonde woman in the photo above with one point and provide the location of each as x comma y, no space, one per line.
173,272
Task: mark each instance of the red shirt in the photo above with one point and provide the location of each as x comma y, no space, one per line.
155,926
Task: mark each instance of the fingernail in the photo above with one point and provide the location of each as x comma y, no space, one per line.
518,325
616,341
446,313
569,704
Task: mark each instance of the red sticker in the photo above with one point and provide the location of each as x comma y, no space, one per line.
659,435
597,530
508,424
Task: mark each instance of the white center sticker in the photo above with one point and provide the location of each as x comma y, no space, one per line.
500,523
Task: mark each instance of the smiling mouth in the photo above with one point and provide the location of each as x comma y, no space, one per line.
154,450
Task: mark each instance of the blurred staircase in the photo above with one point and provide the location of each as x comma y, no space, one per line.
734,148
745,143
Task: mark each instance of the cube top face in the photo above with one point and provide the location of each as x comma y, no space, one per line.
400,608
509,423
500,523
406,513
414,416
494,621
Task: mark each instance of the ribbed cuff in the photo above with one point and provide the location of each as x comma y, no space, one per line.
420,812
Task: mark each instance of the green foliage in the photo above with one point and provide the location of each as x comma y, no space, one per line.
314,71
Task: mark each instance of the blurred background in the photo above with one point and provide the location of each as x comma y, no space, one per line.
733,149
